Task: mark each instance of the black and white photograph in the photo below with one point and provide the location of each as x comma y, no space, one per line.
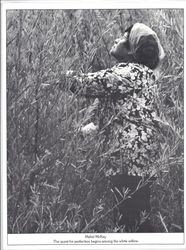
95,122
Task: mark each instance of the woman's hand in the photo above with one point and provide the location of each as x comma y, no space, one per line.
71,73
89,129
67,80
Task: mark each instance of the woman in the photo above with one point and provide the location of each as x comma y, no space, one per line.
127,95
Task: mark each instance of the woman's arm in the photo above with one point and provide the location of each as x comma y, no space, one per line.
113,82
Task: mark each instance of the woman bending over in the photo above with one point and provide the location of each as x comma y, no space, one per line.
126,93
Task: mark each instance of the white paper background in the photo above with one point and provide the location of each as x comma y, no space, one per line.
21,241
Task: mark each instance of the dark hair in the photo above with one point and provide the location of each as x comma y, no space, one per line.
147,52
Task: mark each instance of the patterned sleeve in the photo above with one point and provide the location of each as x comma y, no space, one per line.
111,82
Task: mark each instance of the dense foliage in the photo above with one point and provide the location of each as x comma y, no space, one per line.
54,174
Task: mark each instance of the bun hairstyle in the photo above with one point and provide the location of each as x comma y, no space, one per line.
145,46
147,52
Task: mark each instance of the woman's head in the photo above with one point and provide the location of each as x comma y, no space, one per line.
139,44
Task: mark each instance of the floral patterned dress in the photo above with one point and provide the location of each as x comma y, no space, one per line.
127,108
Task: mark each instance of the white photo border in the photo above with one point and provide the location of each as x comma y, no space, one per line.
52,241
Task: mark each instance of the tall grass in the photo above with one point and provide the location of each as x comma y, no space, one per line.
55,175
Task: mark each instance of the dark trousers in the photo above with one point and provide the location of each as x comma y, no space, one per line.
137,201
